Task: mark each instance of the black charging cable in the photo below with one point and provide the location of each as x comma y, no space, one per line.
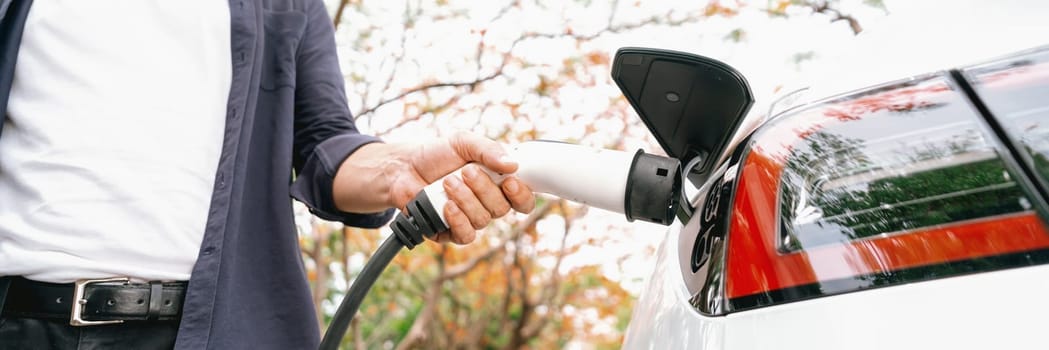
409,230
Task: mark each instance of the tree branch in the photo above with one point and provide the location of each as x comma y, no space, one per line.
504,314
419,115
471,84
823,7
358,334
519,229
479,320
407,22
549,292
517,339
320,285
338,12
614,29
417,332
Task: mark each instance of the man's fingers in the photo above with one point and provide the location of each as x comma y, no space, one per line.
486,190
520,196
462,232
467,202
442,237
474,148
474,199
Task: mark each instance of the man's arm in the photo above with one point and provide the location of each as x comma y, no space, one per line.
325,134
345,176
379,176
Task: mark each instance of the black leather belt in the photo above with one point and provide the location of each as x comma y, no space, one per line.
94,302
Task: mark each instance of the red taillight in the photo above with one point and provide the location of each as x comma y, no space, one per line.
887,186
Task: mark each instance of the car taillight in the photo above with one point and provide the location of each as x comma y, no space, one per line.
899,183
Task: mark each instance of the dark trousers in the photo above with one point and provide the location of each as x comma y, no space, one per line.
34,333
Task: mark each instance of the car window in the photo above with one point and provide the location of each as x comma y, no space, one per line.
1016,90
861,180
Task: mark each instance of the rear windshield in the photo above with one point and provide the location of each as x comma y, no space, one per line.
873,178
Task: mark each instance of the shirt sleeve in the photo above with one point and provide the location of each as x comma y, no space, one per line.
325,134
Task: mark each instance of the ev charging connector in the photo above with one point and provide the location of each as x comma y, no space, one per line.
639,185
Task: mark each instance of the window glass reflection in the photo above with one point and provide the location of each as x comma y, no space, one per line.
1016,90
898,168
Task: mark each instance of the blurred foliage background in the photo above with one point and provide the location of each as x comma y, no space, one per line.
563,276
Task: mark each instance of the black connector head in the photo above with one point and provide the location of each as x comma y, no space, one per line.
420,221
653,188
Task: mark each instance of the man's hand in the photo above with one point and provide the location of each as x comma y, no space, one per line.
378,176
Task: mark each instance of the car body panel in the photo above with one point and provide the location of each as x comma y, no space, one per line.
998,310
663,317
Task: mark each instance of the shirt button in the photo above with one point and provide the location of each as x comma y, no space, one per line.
222,180
242,56
209,250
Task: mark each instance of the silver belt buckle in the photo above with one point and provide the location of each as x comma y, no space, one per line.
79,301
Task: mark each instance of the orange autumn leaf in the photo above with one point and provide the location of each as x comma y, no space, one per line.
597,58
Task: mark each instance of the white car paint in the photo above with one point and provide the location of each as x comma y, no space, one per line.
996,310
663,318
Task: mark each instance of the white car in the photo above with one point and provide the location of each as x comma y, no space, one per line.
906,214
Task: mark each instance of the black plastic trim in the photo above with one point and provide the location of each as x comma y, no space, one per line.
629,185
653,187
711,299
688,147
420,221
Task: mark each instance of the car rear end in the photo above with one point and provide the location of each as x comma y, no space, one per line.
911,214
